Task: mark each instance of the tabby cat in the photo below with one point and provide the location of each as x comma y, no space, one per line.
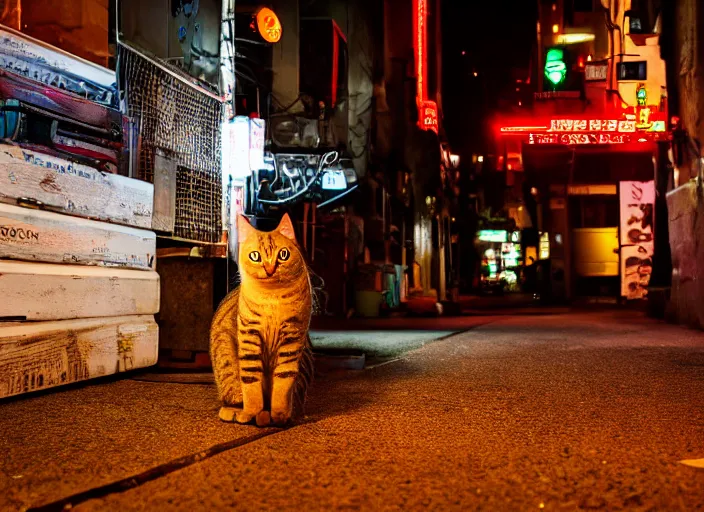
259,342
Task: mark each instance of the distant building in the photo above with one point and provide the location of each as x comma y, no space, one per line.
585,157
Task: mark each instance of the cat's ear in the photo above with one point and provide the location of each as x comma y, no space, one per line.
244,228
286,228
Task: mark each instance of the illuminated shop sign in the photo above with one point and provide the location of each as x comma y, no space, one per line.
492,235
268,25
242,143
592,125
427,110
641,124
429,115
579,138
544,246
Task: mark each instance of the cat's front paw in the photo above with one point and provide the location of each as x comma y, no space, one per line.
280,418
227,414
242,416
263,418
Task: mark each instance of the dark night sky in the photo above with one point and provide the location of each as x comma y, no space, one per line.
498,36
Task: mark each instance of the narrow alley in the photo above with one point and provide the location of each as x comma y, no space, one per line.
570,411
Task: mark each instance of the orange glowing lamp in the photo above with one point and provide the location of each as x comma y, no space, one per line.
268,25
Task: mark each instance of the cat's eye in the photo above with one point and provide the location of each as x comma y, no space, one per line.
255,256
284,254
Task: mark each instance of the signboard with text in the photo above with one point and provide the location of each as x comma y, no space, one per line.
592,125
428,118
579,138
642,126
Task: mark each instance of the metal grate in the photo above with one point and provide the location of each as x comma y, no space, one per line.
185,124
199,203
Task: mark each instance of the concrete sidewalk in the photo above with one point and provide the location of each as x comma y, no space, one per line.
579,411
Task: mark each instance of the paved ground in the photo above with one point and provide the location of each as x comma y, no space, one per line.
564,412
375,344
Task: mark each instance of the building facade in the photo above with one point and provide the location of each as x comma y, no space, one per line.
683,48
586,153
362,80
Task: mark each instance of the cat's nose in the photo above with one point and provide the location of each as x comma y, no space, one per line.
269,268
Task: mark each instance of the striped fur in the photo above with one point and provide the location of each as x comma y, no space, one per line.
259,342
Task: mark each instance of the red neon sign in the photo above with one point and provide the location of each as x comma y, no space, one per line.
592,125
427,109
420,46
429,116
336,36
579,138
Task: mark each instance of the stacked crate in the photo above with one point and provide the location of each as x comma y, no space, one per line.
78,285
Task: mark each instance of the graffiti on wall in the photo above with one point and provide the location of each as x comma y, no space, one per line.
637,237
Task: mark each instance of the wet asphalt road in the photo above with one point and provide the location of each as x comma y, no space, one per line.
564,412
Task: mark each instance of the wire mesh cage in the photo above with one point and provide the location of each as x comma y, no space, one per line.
185,124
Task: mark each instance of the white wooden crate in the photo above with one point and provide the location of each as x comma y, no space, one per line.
29,234
75,189
42,291
40,355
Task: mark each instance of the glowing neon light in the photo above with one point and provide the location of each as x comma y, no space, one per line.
575,38
427,109
658,126
577,125
579,138
492,235
420,47
592,125
555,67
641,95
521,129
429,116
644,118
268,25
